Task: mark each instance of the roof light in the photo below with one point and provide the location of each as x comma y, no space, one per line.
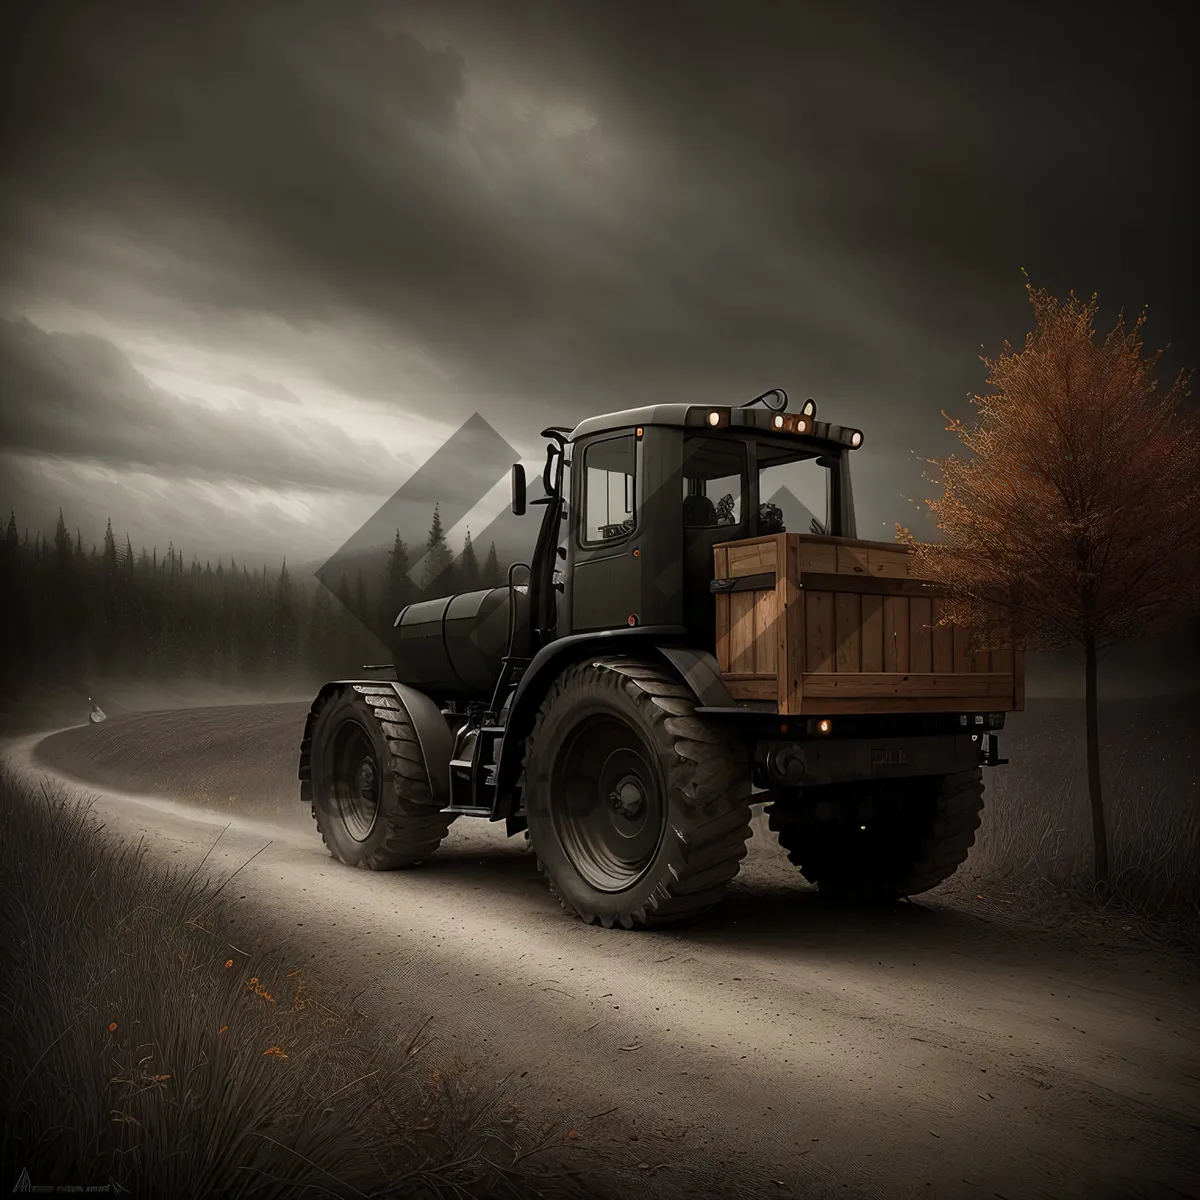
810,407
801,425
777,421
856,438
714,418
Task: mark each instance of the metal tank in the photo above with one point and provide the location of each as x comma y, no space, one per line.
451,648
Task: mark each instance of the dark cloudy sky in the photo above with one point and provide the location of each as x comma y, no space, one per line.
260,258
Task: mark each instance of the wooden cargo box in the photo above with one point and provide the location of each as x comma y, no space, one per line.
822,626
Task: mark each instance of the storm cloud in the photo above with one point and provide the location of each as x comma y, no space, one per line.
536,211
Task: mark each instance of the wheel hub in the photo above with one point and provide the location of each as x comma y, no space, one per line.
365,779
609,807
628,799
355,781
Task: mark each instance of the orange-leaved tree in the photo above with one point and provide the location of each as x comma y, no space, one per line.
1074,522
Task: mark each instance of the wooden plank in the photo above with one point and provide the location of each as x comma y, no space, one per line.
897,683
819,631
852,559
895,633
817,554
750,558
754,688
847,612
920,640
1018,680
791,629
872,633
888,564
981,660
943,639
845,705
961,636
741,632
721,562
724,649
825,540
866,584
766,650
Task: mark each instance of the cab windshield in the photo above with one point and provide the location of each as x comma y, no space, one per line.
793,492
794,488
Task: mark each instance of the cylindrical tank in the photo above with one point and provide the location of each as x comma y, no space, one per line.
451,648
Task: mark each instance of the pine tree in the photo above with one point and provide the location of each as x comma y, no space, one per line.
470,579
439,561
398,587
62,541
492,576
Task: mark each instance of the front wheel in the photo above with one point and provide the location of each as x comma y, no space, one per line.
368,782
638,810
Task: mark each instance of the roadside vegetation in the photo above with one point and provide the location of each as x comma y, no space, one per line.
141,1048
1033,853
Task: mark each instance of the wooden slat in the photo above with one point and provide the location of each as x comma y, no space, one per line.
920,640
847,612
962,649
895,633
791,630
755,688
750,558
817,554
741,633
819,631
981,660
766,650
897,683
888,564
852,560
872,633
724,651
846,705
1018,680
943,640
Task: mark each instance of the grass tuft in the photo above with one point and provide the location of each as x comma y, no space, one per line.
141,1049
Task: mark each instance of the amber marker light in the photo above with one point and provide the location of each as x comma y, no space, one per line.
825,726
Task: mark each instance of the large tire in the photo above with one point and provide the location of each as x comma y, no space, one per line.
638,810
368,782
918,833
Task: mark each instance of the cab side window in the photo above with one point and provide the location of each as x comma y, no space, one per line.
609,490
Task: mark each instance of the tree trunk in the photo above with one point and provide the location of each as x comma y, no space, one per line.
1095,795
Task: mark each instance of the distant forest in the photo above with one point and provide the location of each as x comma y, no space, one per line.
107,612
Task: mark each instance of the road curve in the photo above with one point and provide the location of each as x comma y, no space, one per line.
919,1052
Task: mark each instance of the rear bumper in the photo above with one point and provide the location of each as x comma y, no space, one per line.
813,762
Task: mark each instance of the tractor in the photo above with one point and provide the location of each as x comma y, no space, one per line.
673,654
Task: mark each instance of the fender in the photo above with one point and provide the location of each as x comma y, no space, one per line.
433,734
697,668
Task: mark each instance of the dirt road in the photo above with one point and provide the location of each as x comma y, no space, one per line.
919,1052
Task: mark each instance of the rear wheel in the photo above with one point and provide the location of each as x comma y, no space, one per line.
638,810
368,782
885,839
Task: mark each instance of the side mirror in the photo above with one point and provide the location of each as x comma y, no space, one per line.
518,490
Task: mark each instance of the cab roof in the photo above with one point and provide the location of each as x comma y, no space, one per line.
698,416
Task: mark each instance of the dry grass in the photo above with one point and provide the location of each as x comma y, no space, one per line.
1033,849
141,1049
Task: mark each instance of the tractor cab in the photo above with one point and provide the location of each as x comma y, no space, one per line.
638,499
